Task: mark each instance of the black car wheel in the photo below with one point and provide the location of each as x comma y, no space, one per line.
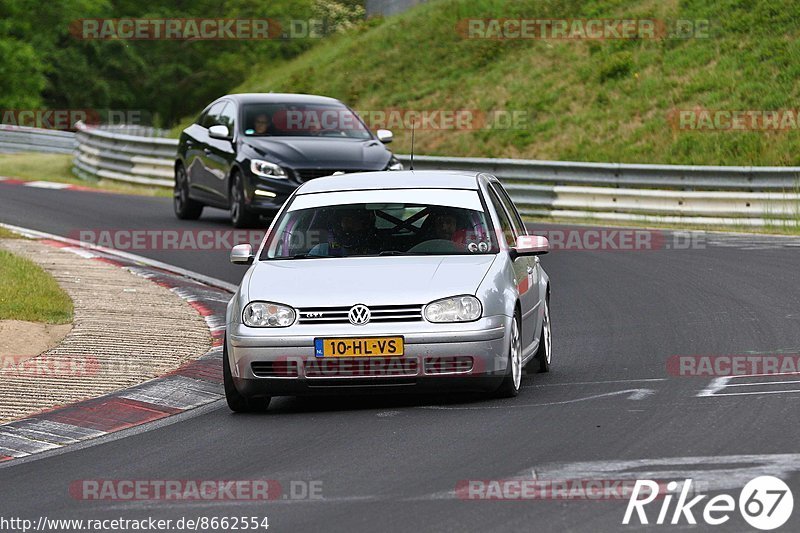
236,401
241,216
185,207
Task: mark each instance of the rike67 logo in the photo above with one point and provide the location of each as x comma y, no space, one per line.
765,503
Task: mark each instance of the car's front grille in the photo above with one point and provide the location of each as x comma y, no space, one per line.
360,367
275,369
448,365
305,174
379,313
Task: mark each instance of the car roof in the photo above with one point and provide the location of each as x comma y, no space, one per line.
403,179
270,98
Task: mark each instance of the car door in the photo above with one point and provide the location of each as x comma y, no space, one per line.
525,273
194,140
219,156
200,176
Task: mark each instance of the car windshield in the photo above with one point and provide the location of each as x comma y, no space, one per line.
379,229
302,120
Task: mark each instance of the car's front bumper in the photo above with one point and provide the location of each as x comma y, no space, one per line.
468,357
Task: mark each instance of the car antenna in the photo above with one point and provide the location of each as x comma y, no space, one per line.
412,145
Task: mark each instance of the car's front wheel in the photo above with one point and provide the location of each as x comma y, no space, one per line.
237,402
512,381
241,216
185,207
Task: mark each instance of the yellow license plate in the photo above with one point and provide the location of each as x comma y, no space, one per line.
359,347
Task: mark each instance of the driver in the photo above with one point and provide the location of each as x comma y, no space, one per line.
263,125
444,226
352,233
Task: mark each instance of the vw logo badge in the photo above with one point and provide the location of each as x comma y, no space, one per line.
359,315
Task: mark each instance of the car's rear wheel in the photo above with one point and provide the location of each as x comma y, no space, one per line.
512,381
545,352
185,207
241,216
237,402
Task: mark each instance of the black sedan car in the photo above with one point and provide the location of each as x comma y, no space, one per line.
249,152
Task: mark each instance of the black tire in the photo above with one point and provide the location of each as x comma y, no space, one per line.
544,355
512,381
185,207
241,216
236,401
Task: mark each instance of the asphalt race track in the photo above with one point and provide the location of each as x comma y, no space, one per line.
608,410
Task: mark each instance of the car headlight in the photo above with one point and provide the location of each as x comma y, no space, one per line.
268,315
260,167
455,309
395,164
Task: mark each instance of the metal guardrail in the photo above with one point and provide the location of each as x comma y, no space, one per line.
672,194
14,139
679,194
123,157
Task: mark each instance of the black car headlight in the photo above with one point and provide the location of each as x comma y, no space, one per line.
394,164
259,167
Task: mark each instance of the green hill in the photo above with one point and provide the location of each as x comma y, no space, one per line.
602,100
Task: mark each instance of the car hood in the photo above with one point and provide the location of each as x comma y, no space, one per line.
322,152
336,282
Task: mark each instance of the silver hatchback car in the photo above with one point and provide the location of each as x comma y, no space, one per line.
389,281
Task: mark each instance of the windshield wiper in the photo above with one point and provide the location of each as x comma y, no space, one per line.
306,256
393,252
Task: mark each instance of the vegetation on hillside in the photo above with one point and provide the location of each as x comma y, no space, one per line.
603,100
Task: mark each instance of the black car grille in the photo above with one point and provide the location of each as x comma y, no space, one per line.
372,367
448,365
305,174
275,369
379,313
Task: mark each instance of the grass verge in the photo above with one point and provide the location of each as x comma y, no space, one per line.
780,230
28,293
58,168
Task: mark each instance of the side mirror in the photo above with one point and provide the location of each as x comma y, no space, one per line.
242,254
385,136
219,132
531,245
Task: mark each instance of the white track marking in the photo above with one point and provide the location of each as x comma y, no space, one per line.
47,185
633,394
716,384
723,383
598,382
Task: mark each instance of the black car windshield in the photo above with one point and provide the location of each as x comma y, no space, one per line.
379,230
302,120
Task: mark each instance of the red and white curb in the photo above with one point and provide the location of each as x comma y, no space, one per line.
47,185
198,382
